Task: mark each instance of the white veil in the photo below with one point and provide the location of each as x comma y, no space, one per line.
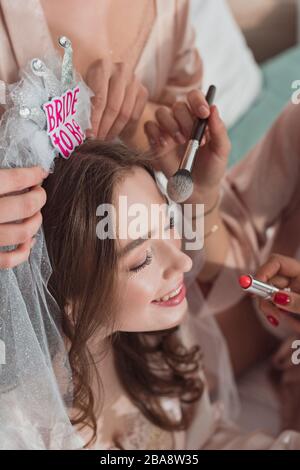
35,376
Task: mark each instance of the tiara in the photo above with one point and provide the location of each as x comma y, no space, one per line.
51,103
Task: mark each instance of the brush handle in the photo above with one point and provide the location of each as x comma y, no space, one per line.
200,124
188,158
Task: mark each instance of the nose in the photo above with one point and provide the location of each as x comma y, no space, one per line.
174,261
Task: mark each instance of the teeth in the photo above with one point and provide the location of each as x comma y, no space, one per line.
170,296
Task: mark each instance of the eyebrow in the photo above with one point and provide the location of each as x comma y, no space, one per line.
139,241
135,243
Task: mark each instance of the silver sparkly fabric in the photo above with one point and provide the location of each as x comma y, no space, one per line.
36,115
52,85
67,78
35,377
2,92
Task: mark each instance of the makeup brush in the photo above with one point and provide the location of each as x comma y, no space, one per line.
180,186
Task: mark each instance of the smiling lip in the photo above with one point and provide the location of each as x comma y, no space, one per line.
173,301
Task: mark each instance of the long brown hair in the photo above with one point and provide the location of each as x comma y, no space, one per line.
82,263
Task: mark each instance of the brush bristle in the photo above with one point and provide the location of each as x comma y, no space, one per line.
180,186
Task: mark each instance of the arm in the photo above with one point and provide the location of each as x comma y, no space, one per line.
184,75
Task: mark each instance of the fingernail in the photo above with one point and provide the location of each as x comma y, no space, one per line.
272,320
179,138
281,298
162,142
203,111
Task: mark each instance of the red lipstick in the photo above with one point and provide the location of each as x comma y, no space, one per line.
173,301
253,286
245,281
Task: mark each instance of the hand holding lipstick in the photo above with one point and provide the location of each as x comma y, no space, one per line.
283,273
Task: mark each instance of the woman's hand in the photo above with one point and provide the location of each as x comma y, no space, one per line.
282,272
173,129
119,99
24,207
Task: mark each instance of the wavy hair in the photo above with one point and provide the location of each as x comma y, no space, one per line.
149,365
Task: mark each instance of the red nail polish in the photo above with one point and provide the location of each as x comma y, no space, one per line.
281,298
272,320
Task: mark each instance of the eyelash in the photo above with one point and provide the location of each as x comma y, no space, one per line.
145,263
149,255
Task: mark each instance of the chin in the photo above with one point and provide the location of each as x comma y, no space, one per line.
170,317
157,319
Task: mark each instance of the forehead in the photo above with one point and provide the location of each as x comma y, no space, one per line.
138,187
136,197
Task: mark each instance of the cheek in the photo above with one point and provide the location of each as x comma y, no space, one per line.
137,294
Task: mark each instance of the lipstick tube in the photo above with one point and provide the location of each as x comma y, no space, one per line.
253,286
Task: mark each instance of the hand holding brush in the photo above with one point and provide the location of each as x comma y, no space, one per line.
211,158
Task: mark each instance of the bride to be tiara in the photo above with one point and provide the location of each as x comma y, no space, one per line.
47,110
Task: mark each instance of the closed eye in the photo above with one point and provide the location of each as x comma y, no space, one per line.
149,255
145,263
